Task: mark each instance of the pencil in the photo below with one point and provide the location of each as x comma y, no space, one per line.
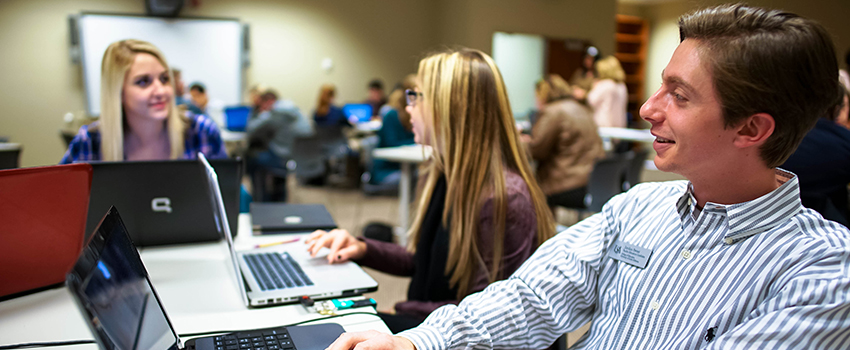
276,243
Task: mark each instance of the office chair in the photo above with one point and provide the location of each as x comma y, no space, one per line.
635,169
308,158
606,180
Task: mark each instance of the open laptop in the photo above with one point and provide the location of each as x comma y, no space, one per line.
42,227
164,202
272,218
283,273
114,293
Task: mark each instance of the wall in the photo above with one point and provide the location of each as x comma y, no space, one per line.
365,39
664,32
472,22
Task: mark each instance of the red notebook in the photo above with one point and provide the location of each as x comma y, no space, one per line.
42,224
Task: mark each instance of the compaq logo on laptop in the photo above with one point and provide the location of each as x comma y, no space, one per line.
161,204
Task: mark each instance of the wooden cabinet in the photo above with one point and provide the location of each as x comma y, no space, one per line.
632,40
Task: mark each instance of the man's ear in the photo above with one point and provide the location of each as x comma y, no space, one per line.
755,130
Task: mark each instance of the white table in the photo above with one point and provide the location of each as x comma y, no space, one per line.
638,135
196,285
406,155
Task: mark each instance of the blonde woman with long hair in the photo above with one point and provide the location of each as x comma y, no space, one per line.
609,97
138,117
480,213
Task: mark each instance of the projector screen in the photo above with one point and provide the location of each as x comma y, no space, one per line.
205,50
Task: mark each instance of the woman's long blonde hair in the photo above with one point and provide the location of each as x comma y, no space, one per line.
398,101
475,139
117,60
326,94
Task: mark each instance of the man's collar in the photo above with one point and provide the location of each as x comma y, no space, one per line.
752,217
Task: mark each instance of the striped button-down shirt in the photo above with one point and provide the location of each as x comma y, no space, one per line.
766,274
202,135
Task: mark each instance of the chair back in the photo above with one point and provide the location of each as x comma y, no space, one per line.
309,157
606,179
10,155
635,169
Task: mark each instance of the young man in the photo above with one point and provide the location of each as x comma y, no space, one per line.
727,260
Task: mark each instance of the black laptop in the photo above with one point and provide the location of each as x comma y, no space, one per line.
270,218
165,202
114,293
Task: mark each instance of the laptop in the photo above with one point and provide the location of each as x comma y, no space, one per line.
281,274
164,202
271,218
44,221
113,291
360,111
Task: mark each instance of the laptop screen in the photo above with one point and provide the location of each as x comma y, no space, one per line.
118,298
361,111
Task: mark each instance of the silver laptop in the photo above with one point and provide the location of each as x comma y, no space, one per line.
283,273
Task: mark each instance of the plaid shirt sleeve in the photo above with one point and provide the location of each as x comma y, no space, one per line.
84,147
203,136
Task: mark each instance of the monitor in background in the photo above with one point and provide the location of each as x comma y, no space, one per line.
362,112
236,118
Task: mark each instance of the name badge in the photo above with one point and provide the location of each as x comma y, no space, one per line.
629,254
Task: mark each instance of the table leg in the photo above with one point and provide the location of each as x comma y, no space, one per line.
404,200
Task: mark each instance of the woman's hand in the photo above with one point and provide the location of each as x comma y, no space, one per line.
371,340
342,244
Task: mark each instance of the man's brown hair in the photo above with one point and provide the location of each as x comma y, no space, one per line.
767,61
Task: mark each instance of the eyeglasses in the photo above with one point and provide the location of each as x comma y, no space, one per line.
412,96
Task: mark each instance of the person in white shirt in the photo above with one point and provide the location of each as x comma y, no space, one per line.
608,98
727,260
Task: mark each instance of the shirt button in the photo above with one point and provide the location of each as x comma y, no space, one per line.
686,254
655,305
729,241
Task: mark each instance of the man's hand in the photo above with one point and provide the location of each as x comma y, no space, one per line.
370,340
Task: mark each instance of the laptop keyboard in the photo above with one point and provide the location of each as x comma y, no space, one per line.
276,271
268,339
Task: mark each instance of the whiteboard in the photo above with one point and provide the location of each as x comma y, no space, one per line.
205,50
520,58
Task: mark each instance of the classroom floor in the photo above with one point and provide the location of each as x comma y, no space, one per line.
353,210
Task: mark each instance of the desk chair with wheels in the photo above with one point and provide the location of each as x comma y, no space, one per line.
10,155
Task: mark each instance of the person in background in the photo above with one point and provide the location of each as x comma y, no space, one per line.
565,142
726,260
138,117
327,114
179,88
583,78
822,163
396,130
329,122
608,98
272,129
480,212
376,97
199,98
